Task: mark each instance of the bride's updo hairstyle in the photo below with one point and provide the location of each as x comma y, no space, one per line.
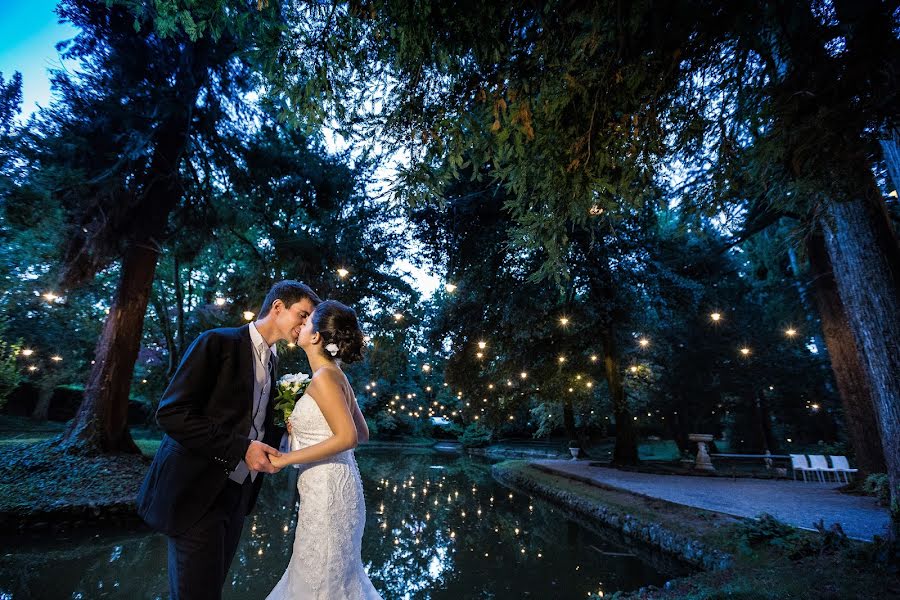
337,324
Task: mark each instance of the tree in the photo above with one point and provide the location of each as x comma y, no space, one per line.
112,153
575,106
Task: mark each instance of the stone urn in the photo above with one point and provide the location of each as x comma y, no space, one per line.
702,463
574,452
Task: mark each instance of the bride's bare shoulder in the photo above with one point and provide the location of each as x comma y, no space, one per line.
326,380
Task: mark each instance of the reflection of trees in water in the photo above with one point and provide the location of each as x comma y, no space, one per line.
424,538
267,540
464,535
103,565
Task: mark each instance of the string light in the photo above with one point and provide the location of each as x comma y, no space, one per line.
220,301
790,332
482,345
561,359
50,296
644,342
248,315
593,358
716,317
56,358
27,352
745,351
398,317
342,272
633,368
426,368
479,355
32,368
450,288
564,321
523,375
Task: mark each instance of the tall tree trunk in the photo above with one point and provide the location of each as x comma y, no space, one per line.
866,264
851,379
625,452
179,318
42,406
162,312
765,423
101,423
891,149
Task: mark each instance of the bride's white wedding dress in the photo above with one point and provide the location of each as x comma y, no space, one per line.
326,562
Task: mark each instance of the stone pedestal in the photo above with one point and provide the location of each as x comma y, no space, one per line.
703,462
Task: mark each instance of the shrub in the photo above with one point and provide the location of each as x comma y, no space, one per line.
9,370
877,485
476,435
769,531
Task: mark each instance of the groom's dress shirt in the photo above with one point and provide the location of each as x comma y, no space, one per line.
264,373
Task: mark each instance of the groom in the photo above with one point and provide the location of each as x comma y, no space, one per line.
217,414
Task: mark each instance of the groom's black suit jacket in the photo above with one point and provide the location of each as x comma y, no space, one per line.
205,412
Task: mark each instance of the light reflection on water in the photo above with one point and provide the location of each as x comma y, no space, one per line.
438,527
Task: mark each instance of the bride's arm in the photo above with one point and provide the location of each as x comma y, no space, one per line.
325,389
362,428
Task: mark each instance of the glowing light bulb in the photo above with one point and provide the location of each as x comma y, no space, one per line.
342,272
248,315
220,301
450,288
715,317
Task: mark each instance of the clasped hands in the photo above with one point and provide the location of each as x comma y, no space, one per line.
259,457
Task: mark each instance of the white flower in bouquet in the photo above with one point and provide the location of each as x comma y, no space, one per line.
290,388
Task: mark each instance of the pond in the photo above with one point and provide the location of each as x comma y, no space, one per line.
438,527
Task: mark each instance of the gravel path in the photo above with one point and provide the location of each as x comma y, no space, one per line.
797,503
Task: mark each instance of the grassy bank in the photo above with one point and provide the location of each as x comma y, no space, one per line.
766,560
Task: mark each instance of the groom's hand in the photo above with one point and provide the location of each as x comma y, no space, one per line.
257,457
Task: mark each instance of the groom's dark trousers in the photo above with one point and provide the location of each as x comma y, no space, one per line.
199,558
188,494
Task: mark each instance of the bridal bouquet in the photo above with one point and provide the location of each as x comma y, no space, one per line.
290,387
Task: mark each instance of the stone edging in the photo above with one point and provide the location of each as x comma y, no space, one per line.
652,534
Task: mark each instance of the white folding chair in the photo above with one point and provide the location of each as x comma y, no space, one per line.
818,464
842,467
798,463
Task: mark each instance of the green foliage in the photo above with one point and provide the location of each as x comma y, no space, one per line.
878,485
9,368
476,435
751,535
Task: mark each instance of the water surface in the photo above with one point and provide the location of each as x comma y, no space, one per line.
438,527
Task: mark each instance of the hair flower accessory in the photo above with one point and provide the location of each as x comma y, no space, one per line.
332,349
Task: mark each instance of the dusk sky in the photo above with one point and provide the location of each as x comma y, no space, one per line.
29,32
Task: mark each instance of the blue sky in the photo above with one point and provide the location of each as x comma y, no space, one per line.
29,32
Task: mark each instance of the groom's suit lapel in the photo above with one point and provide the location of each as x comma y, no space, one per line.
247,366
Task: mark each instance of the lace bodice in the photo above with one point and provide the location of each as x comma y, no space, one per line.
326,562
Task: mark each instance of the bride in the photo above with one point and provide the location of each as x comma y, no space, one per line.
326,425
